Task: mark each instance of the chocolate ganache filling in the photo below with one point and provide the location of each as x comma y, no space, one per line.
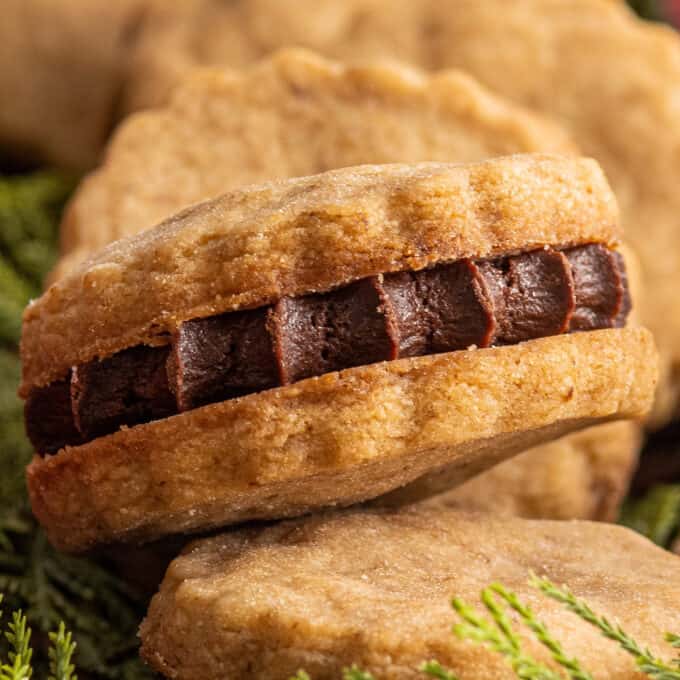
405,314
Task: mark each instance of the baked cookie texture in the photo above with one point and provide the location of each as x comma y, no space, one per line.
297,113
61,77
373,588
582,476
291,115
586,63
340,438
255,245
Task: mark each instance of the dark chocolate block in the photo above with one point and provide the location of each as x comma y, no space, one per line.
406,314
532,294
128,388
317,334
221,357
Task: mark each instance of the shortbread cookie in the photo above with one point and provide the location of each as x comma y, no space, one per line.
61,76
374,589
582,476
325,340
292,115
297,114
610,77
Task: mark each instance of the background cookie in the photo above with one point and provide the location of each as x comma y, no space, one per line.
61,74
374,589
582,476
609,77
297,114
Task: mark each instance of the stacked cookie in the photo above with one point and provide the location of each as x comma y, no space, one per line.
398,337
376,333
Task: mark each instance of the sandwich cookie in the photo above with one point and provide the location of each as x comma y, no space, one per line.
297,113
326,340
374,589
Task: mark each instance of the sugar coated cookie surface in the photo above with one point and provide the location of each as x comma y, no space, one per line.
374,589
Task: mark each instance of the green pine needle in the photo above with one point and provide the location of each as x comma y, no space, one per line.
60,654
435,670
650,665
539,629
355,673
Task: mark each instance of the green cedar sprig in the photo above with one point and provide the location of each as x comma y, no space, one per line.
100,610
60,654
542,634
355,673
435,670
18,663
674,641
18,666
352,673
498,634
649,664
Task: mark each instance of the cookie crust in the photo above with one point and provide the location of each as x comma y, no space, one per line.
374,588
252,246
340,438
582,476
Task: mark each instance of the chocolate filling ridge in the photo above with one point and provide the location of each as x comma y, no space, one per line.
405,314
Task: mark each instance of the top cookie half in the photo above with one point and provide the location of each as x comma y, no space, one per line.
253,246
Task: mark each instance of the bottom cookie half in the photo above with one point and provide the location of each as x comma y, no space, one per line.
340,438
